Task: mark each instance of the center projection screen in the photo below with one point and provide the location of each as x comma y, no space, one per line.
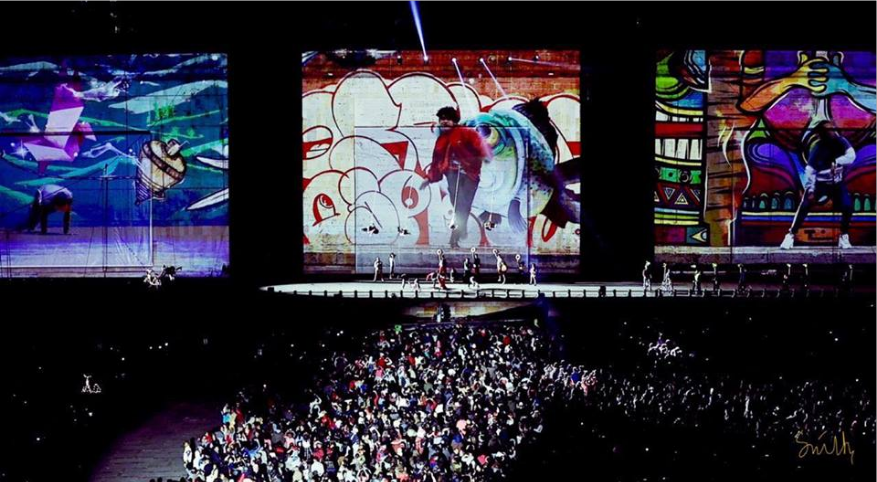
369,138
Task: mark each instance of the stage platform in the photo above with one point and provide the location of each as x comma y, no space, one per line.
394,289
814,255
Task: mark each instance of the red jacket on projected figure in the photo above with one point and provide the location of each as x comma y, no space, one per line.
458,148
458,154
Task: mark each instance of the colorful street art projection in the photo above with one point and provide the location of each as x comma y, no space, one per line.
368,138
731,132
141,143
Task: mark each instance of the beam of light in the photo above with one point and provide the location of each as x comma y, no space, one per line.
540,62
416,13
463,83
494,78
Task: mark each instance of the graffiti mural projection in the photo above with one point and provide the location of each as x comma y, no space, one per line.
369,140
787,150
114,163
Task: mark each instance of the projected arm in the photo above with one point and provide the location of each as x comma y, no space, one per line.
811,75
865,96
809,179
848,157
837,82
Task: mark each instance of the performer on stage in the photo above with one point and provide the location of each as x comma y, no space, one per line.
379,269
666,282
846,279
716,282
438,277
522,268
392,265
169,273
741,282
787,277
476,264
467,270
501,267
151,279
458,155
805,278
533,274
695,282
647,276
49,199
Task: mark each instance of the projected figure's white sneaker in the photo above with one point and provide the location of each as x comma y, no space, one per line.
788,241
843,242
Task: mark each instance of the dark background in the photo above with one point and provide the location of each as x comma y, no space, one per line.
55,330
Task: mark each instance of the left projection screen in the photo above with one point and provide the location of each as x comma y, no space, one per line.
114,164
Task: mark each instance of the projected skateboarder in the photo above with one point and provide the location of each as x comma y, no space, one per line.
48,199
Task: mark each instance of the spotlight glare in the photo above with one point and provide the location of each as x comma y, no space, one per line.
454,60
415,12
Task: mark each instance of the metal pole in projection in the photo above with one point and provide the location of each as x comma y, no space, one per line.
105,186
453,226
463,83
496,82
151,249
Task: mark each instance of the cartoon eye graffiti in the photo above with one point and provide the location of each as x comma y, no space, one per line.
490,134
324,208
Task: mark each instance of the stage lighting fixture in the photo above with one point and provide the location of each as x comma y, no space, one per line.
399,59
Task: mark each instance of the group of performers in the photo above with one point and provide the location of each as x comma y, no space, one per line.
471,274
846,281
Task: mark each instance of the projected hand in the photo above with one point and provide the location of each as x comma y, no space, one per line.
811,75
834,80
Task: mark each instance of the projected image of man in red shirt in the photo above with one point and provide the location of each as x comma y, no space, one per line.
458,155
